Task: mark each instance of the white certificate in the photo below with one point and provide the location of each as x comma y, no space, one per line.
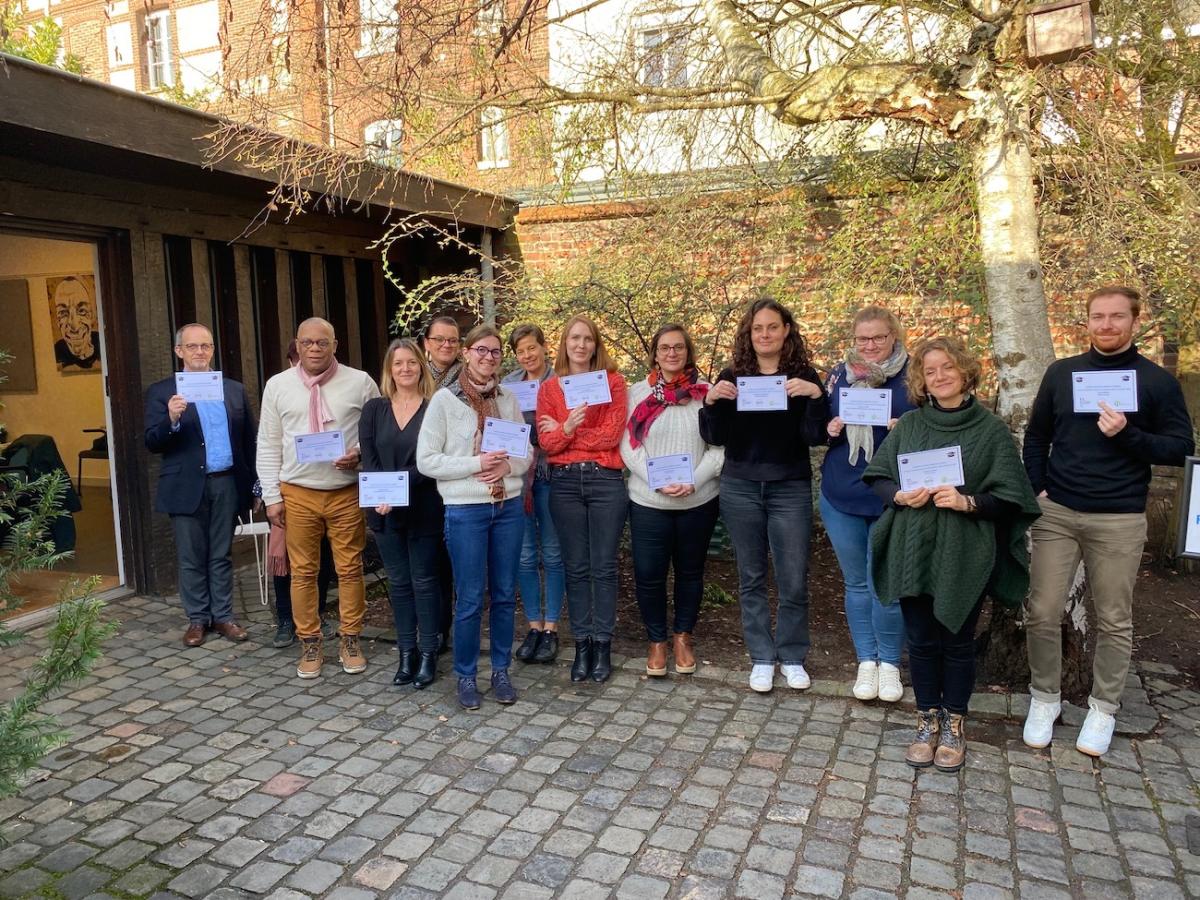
503,435
526,393
872,406
319,447
664,470
931,468
196,386
1117,388
378,488
590,388
762,393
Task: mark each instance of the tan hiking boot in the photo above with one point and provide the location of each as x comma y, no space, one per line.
350,654
921,750
311,659
952,748
656,659
685,659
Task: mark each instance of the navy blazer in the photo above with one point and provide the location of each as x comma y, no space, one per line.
181,479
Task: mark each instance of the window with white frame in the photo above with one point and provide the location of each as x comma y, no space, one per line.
381,141
663,56
380,25
489,17
158,50
493,138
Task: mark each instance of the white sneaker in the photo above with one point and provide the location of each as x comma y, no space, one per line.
797,678
1096,733
762,677
1039,723
890,688
866,685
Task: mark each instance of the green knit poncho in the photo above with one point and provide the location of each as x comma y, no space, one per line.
953,556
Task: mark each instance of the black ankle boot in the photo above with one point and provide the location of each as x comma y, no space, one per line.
427,673
528,649
547,648
581,669
602,666
408,667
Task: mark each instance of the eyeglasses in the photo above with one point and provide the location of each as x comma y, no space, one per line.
323,343
196,348
672,348
877,340
444,341
483,352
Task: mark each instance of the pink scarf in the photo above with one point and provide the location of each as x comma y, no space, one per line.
318,412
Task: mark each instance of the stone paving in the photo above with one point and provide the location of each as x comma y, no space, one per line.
215,772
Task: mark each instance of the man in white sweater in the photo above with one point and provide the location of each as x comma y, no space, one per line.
317,497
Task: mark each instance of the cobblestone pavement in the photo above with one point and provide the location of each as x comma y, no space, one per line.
215,772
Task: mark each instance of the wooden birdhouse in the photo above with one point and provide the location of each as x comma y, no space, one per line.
1061,31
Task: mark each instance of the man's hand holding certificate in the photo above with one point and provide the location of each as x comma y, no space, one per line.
762,393
526,393
503,436
320,447
931,469
872,406
590,388
664,471
197,386
376,489
1117,388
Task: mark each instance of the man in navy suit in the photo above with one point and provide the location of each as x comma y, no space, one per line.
207,473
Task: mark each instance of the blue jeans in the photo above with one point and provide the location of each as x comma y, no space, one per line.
414,586
877,630
484,540
773,516
541,544
589,504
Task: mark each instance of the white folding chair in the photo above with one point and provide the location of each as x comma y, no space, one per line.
260,533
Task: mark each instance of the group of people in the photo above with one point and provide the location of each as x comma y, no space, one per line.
482,524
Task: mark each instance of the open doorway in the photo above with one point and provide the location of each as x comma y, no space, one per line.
56,413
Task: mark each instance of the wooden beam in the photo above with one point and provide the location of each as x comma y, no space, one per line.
353,332
246,313
317,267
202,279
283,289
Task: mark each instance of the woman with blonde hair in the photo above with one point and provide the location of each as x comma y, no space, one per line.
877,362
939,548
408,537
587,492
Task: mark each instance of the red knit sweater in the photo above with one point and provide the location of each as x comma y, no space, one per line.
597,439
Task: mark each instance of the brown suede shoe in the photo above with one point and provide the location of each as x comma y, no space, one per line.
656,659
350,654
921,750
685,659
194,636
231,631
952,748
310,658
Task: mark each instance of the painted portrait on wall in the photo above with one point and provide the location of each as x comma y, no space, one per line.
75,322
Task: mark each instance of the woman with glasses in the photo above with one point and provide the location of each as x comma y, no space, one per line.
587,490
442,340
671,522
408,537
540,549
877,362
484,521
766,482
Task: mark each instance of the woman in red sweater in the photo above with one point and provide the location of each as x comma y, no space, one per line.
588,501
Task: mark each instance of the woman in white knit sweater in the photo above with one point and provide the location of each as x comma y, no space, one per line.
671,523
485,518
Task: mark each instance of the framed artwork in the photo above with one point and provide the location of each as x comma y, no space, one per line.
21,370
74,322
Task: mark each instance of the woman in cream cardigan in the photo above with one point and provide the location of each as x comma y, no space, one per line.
671,524
485,518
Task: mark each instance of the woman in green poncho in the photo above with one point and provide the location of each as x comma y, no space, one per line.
939,549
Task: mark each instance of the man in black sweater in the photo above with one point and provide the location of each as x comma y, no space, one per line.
1091,471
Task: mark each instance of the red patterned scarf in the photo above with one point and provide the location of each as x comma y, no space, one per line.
679,391
482,399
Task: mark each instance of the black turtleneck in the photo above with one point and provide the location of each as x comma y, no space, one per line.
1067,455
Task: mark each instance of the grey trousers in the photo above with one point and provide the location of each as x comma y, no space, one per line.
203,543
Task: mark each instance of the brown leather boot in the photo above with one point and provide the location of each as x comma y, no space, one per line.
952,748
921,750
685,659
656,659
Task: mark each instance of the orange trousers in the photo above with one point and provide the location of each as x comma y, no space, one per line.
310,515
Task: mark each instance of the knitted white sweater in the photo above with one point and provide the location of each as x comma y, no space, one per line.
676,430
446,449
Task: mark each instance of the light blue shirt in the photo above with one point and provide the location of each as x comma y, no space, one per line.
215,425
